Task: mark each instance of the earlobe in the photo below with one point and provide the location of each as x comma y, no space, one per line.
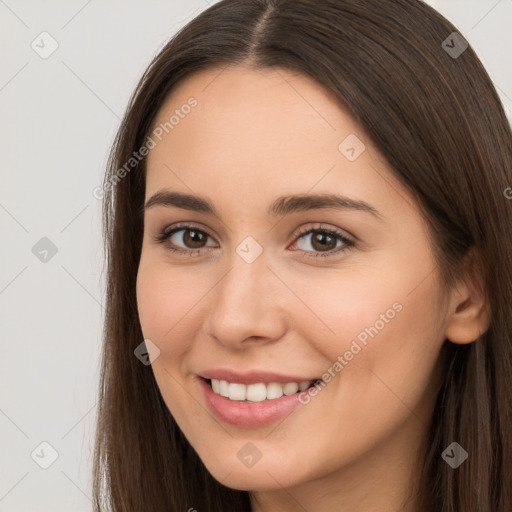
470,311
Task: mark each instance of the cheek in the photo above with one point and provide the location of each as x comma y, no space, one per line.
165,302
343,306
382,336
164,298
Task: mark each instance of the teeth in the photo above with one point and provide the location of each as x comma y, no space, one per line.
290,388
257,392
237,391
224,388
274,390
216,386
304,385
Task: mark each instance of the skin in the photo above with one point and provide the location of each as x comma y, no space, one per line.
256,135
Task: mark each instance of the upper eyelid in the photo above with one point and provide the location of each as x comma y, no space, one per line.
323,227
188,226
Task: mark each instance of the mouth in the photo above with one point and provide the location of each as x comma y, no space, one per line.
254,398
257,392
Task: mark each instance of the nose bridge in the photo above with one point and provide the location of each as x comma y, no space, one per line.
243,304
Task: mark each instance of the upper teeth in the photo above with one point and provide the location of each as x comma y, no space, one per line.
257,392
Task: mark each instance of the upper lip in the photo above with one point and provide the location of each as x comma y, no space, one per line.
251,377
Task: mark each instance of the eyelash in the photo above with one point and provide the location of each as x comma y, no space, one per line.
167,233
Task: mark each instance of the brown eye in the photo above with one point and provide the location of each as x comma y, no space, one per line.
324,242
184,239
193,238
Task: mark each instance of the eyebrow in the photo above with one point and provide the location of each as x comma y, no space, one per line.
283,205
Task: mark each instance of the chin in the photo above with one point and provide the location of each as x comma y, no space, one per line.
253,480
264,475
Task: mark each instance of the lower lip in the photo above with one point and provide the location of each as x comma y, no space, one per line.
248,414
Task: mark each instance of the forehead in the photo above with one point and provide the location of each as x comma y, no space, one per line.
223,86
255,107
257,131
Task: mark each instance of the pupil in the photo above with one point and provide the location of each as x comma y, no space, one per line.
320,238
192,238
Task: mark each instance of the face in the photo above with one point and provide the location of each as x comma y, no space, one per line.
269,294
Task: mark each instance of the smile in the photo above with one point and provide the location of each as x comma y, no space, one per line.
257,402
257,392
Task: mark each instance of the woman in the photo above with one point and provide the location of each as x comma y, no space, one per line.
309,296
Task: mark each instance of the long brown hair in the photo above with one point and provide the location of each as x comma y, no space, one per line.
438,121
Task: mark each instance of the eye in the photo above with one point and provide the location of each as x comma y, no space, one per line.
324,240
191,237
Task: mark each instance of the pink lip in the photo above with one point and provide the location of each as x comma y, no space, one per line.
252,377
247,414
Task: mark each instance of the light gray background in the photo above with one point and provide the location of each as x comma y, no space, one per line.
58,117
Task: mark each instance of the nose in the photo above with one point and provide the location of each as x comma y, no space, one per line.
247,305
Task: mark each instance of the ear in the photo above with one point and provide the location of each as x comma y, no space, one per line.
469,311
